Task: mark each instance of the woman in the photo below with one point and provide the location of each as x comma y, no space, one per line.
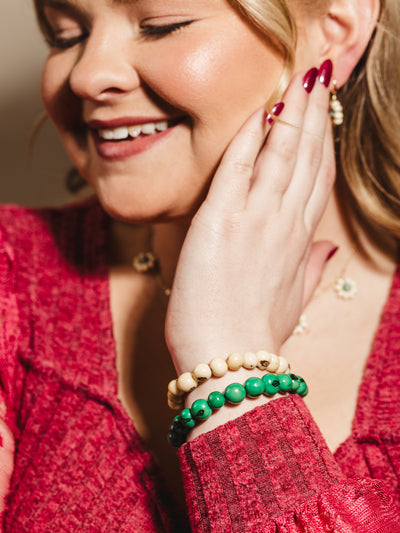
161,107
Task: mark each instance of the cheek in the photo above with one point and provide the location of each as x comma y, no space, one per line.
210,79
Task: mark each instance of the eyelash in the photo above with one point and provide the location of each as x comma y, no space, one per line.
63,44
160,31
147,31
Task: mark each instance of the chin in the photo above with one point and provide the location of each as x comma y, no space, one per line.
136,208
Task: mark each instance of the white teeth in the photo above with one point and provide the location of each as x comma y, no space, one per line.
134,131
126,132
107,135
120,133
148,129
162,126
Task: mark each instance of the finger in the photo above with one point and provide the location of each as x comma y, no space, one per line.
311,147
320,252
230,186
324,183
277,159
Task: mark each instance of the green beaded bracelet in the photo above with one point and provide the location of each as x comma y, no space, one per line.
235,393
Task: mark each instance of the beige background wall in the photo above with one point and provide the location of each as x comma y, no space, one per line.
37,180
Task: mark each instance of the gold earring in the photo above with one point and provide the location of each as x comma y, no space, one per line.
336,108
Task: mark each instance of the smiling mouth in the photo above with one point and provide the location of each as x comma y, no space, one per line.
128,133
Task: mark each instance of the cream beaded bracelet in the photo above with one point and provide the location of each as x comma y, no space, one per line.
218,367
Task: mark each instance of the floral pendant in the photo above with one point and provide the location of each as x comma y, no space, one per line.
345,288
145,262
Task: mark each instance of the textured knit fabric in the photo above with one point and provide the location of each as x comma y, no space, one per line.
79,463
81,466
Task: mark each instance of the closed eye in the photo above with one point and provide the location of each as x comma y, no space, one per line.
63,44
149,30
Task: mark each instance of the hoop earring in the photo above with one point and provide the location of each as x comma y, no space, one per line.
336,108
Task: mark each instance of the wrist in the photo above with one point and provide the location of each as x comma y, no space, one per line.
187,357
228,412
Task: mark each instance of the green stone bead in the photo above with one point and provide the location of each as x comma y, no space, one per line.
295,382
187,419
235,393
177,421
305,392
271,384
254,387
200,410
303,389
175,439
177,425
216,400
285,382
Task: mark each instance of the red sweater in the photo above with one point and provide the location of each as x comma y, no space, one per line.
81,466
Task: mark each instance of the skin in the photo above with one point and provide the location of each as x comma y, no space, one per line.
117,72
216,72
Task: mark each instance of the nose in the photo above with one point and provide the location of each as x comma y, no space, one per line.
104,67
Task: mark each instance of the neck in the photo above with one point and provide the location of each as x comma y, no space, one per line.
165,239
334,228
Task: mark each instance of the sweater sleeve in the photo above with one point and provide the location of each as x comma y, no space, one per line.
270,471
8,348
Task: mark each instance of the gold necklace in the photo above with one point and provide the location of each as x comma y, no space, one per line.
148,263
344,287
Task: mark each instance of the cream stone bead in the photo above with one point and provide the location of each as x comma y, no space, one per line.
235,361
263,359
173,388
186,382
202,372
218,367
274,364
250,360
283,365
175,402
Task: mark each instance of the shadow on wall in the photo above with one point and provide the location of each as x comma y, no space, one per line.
37,178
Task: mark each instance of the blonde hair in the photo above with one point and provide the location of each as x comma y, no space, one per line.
368,142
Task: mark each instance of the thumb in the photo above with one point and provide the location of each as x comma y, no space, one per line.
321,252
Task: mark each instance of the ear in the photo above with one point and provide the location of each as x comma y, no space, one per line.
347,30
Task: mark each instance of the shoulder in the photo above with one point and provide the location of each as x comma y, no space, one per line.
19,224
36,235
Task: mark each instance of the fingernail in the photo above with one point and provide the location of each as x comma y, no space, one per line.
309,79
332,253
275,112
325,72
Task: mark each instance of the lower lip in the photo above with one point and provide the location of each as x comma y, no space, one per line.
114,151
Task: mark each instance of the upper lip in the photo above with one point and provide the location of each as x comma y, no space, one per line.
127,121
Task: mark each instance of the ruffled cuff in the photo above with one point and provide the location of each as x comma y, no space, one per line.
270,469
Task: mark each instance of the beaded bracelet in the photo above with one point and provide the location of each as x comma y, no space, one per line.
218,367
235,393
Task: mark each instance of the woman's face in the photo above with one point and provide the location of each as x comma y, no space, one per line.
146,95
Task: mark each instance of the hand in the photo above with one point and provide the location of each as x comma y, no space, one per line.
248,264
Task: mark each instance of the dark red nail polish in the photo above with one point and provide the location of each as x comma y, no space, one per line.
309,79
332,253
325,72
275,112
